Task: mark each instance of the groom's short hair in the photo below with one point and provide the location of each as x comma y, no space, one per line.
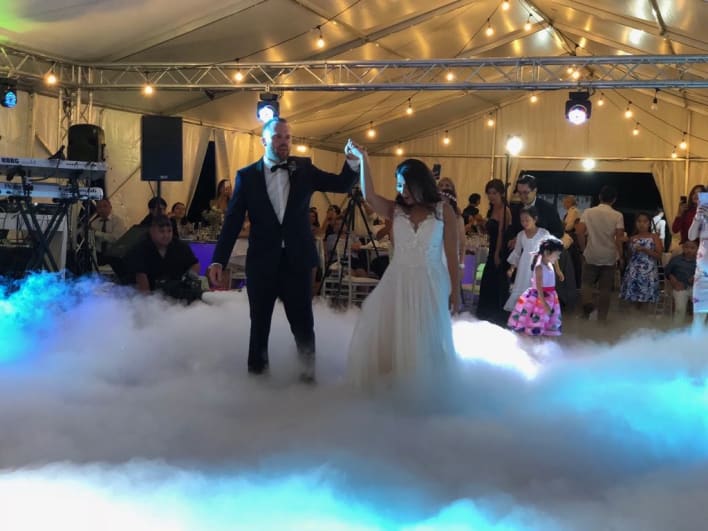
269,126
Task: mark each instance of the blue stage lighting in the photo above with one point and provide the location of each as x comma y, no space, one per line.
268,107
9,94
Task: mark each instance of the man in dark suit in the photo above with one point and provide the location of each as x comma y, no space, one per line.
276,192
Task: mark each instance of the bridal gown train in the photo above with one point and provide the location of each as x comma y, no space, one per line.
405,328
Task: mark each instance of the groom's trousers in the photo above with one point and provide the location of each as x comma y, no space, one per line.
293,286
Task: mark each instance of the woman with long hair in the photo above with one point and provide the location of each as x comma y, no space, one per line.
494,287
405,329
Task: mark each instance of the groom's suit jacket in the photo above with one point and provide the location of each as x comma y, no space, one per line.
268,238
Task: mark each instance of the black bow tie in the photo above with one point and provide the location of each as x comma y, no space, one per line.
283,165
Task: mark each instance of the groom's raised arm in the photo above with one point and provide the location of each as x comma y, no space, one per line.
233,222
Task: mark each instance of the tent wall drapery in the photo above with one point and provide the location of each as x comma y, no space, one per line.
475,154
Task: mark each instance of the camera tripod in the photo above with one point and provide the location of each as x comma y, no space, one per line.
348,218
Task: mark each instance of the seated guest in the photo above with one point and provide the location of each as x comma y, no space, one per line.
157,207
679,272
106,227
185,229
328,227
160,258
471,211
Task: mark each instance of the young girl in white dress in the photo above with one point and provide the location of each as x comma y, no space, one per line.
527,242
405,327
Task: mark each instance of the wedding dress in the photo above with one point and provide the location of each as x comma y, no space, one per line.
405,328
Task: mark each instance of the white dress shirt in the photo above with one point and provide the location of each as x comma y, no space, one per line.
278,185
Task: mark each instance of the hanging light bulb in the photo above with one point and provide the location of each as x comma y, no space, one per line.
238,76
371,133
490,30
684,144
576,74
148,89
399,150
674,154
51,79
505,5
490,120
534,98
446,139
628,111
301,148
570,70
601,100
635,131
450,76
655,101
320,40
527,26
409,110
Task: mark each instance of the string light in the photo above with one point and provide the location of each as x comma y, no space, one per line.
51,79
635,131
409,110
534,98
238,76
301,148
320,40
490,120
684,144
399,150
674,154
576,74
450,76
148,89
527,26
655,101
371,133
446,139
570,70
628,111
505,5
490,30
601,100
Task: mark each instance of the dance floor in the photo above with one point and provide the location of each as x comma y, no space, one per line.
132,413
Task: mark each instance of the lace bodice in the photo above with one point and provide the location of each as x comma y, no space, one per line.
421,245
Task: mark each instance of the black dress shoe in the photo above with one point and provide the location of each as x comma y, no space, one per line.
258,369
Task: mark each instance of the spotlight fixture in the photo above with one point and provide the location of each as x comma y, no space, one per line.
578,108
268,107
446,139
371,133
320,40
506,5
684,144
8,93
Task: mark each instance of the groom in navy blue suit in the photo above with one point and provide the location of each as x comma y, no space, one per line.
276,192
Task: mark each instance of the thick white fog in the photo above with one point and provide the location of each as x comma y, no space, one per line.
126,412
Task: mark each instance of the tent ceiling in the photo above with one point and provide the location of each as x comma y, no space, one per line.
285,30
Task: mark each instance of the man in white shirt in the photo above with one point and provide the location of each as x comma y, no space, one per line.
600,232
275,191
106,227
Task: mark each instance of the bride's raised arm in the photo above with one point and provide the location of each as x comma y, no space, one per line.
380,204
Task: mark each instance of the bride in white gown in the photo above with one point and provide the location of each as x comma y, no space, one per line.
405,327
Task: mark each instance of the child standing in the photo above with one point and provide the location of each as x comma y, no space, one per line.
641,279
679,272
537,311
527,242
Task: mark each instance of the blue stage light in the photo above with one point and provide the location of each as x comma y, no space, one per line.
268,107
9,94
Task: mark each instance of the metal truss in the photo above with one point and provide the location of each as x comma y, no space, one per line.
523,73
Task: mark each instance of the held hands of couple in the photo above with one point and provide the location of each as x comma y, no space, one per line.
354,151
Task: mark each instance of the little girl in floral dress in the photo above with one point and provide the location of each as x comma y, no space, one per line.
537,311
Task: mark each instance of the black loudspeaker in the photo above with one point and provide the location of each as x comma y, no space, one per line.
87,143
161,148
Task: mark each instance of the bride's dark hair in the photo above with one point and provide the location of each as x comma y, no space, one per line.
420,183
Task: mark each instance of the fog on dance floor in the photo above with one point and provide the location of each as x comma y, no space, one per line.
127,412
